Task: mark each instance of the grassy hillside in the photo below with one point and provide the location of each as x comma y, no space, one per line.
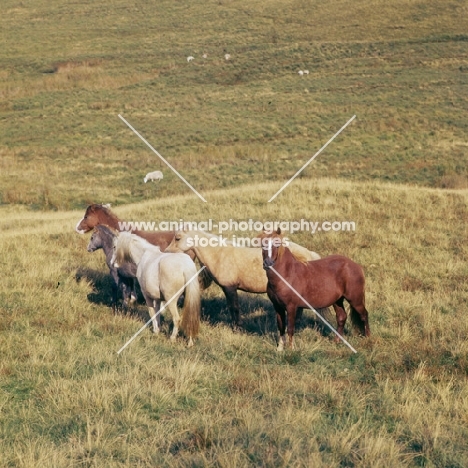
68,69
68,400
237,130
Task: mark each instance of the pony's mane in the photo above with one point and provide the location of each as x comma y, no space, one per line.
124,242
107,229
297,252
105,209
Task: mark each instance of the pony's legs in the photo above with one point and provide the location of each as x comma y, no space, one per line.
233,303
115,298
115,292
341,317
126,294
281,343
299,314
153,310
133,292
175,319
281,323
292,309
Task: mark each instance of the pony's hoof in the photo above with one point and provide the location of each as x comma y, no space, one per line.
190,343
280,348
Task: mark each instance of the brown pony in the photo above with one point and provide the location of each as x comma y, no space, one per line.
101,214
324,282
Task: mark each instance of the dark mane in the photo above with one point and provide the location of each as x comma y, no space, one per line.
107,229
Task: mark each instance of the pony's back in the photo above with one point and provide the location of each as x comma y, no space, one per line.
130,248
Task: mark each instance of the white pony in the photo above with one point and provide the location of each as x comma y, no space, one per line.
162,277
156,175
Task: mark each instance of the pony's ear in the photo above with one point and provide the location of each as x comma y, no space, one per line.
278,231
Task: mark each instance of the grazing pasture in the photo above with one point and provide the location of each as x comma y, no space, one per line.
68,70
67,399
237,122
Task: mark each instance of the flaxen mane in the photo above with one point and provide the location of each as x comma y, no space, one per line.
298,252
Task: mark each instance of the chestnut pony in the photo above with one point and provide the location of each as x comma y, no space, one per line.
322,283
101,214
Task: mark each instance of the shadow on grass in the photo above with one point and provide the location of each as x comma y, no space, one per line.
258,316
102,292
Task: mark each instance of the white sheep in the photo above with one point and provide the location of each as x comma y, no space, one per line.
300,72
156,175
190,58
227,56
205,56
306,72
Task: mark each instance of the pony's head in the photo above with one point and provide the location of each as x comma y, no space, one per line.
272,247
95,242
95,214
183,241
101,234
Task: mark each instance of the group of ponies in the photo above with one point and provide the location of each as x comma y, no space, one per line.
163,264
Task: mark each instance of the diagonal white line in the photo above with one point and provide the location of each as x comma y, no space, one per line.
313,310
312,158
164,160
160,310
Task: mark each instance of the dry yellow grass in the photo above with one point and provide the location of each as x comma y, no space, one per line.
68,400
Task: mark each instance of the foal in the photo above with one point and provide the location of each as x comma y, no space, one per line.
322,283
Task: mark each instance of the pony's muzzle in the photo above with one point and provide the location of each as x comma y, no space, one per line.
268,263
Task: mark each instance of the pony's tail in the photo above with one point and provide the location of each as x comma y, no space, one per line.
204,279
356,320
190,323
360,323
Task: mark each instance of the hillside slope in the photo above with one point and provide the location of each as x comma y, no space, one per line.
67,399
69,69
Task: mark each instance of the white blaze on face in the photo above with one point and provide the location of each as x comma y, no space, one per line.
79,231
269,248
